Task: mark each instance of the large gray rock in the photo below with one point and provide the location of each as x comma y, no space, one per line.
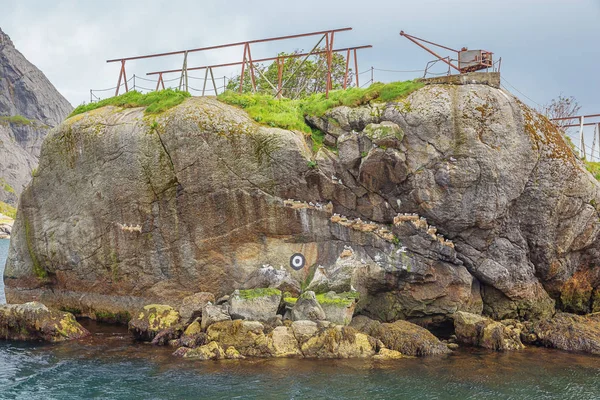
254,304
269,277
212,314
307,308
568,332
505,216
29,107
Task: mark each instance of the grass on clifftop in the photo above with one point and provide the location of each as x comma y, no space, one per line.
155,102
594,168
289,114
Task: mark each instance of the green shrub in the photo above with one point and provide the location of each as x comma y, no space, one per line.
289,114
155,102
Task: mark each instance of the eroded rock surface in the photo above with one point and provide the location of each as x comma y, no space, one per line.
458,198
479,331
35,322
152,319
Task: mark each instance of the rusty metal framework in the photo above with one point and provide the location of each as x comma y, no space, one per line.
247,61
466,60
581,124
351,52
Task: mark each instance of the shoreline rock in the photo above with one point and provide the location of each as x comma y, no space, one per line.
35,322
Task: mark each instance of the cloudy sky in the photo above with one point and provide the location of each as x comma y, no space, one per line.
548,47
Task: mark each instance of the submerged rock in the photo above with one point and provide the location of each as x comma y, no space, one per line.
35,322
480,331
210,351
254,304
151,320
402,336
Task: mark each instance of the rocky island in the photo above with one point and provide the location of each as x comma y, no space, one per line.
452,207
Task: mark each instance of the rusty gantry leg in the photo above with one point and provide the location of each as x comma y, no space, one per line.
123,76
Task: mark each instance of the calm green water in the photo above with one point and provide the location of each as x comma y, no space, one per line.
110,366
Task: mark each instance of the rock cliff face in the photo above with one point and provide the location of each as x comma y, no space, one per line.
459,198
29,107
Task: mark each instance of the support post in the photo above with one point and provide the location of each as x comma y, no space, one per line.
160,81
243,69
133,81
212,77
372,76
122,75
184,75
347,66
582,142
91,100
356,68
280,64
251,69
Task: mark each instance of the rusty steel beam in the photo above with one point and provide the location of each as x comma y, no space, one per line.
576,117
258,60
578,125
228,45
414,40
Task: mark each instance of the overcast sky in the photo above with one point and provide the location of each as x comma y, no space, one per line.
548,47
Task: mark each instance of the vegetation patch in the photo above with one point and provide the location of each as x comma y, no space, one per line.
289,114
7,188
16,120
154,102
8,210
593,168
262,292
344,299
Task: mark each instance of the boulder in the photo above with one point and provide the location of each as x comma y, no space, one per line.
254,304
212,313
476,330
307,308
210,351
283,343
339,342
151,320
35,322
303,330
269,277
385,134
165,336
387,354
338,308
191,306
403,336
569,332
246,336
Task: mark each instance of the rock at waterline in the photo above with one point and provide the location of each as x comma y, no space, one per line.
480,331
151,320
212,313
569,332
402,336
35,322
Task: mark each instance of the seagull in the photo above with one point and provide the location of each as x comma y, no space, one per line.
452,159
352,288
362,260
401,250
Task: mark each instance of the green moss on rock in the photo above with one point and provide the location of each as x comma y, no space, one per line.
262,292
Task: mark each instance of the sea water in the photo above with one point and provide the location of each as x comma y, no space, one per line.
109,365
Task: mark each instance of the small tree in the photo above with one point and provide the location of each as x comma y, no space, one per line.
562,107
299,78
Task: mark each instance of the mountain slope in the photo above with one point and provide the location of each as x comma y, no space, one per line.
29,106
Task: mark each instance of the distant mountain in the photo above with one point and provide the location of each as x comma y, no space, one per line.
29,107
